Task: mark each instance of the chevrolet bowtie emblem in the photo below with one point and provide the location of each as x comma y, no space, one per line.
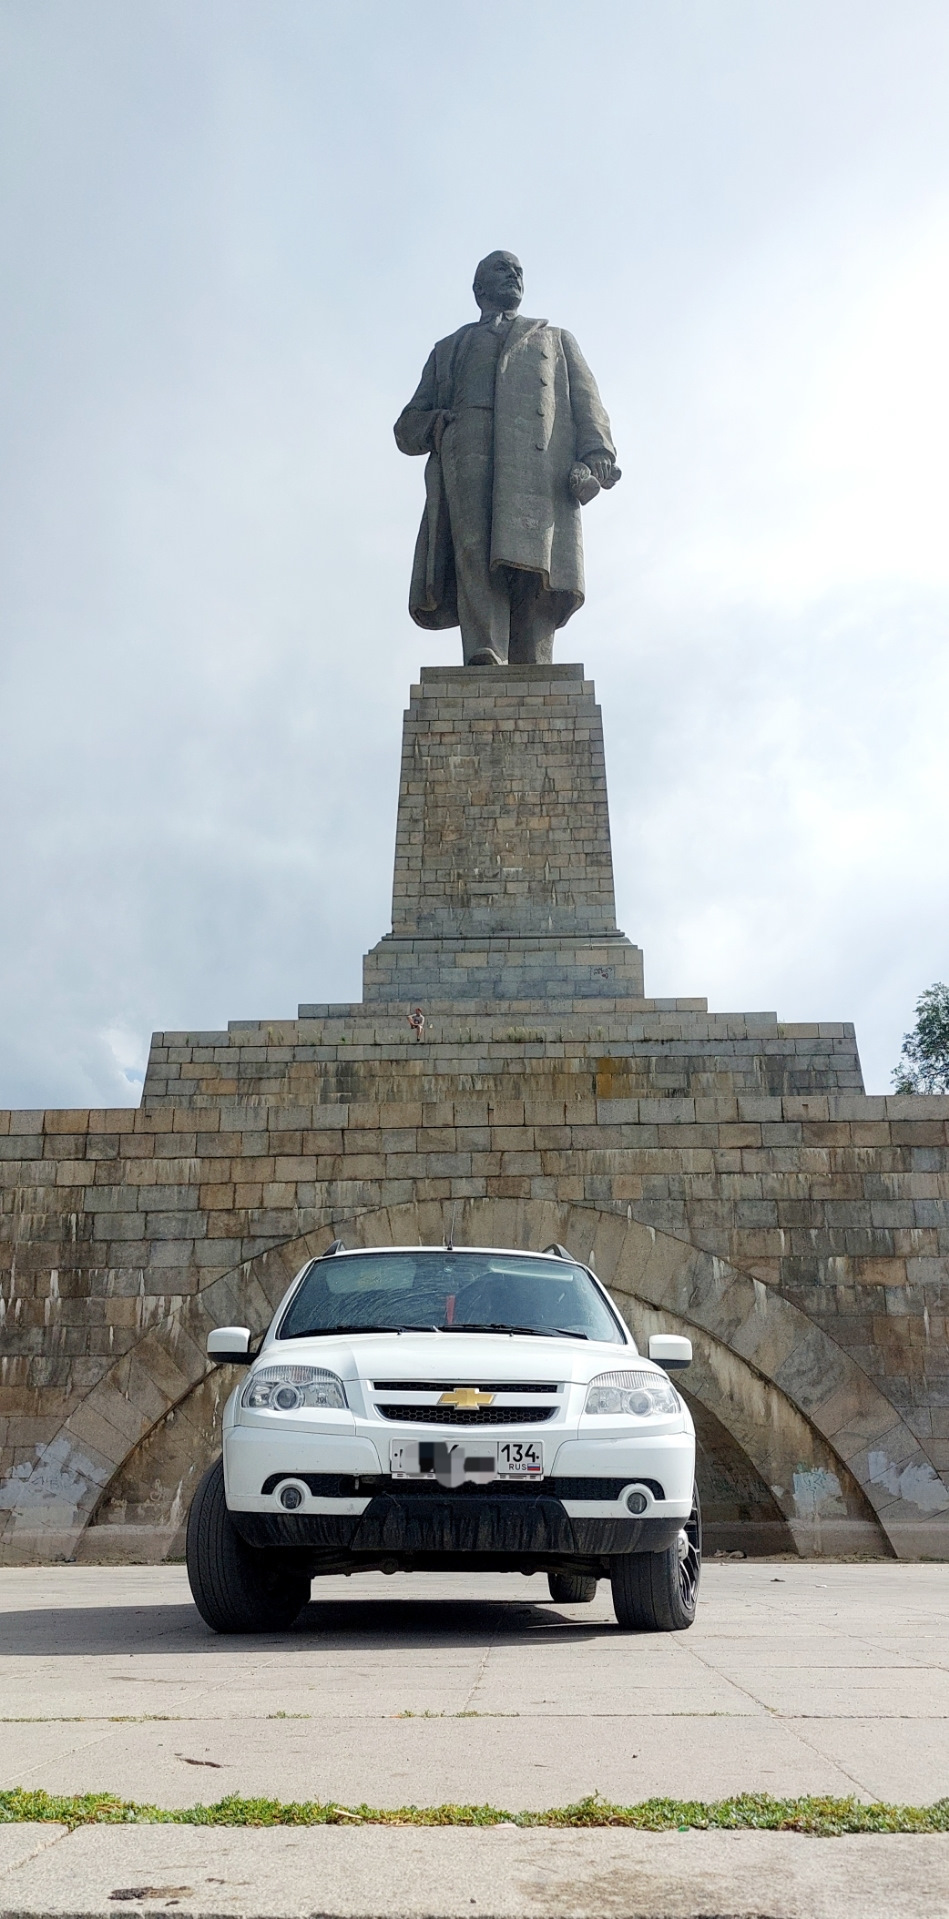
466,1398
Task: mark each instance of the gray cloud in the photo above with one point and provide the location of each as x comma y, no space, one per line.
231,235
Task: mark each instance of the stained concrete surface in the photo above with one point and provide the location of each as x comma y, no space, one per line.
501,1874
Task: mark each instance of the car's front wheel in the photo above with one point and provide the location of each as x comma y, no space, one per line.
658,1592
235,1587
571,1589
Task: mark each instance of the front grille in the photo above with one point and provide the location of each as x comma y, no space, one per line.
482,1386
463,1416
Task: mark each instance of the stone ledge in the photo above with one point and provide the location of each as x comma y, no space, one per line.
500,676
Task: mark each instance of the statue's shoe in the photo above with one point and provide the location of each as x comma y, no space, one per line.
486,657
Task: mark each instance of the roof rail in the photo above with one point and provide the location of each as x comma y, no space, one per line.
561,1251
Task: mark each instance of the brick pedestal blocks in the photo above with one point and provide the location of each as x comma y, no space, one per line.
503,884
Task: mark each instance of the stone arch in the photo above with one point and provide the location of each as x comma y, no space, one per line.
791,1397
738,1509
816,1505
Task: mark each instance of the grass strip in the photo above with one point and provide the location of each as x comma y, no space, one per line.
747,1812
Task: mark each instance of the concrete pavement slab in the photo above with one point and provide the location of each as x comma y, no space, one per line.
498,1874
597,1681
859,1692
478,1688
744,1652
521,1764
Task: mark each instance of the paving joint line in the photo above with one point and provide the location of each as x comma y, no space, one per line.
780,1718
810,1747
81,1746
788,1720
44,1843
482,1668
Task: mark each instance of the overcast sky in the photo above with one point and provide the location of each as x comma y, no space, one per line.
231,232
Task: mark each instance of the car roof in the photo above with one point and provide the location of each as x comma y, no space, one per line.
507,1252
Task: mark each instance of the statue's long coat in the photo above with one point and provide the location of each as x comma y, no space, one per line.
547,414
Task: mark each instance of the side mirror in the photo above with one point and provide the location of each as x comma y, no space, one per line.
230,1345
670,1351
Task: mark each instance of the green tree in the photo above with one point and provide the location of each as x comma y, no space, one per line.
924,1055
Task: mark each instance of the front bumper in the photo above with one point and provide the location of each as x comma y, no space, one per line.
351,1507
472,1523
346,1468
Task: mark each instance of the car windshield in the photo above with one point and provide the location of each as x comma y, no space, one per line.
452,1292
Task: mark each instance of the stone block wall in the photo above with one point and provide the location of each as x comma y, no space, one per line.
804,1239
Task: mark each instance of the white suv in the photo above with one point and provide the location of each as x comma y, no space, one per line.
449,1409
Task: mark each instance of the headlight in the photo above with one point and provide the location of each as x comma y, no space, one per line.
284,1389
644,1394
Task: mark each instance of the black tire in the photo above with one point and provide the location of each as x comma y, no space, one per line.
236,1588
571,1589
658,1592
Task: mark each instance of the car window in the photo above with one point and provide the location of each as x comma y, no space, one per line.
453,1291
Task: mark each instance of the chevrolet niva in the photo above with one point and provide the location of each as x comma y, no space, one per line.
442,1409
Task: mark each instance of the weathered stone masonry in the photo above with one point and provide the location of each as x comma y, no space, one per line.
726,1172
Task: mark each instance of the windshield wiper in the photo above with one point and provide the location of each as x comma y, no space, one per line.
325,1332
486,1326
535,1332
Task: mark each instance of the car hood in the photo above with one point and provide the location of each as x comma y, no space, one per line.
458,1359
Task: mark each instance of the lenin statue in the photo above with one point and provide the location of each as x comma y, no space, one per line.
517,441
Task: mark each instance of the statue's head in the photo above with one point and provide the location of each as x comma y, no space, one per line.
499,283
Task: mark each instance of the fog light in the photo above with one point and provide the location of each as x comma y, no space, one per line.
290,1498
636,1501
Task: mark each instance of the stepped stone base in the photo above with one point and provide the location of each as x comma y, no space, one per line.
623,1051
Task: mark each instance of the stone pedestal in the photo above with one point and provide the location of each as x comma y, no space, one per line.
503,887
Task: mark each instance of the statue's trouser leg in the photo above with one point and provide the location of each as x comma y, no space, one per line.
484,610
534,612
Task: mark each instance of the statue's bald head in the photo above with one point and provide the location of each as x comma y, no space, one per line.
499,283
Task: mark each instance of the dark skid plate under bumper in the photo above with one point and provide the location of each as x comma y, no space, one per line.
407,1523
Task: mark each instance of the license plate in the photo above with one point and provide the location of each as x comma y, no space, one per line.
455,1463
